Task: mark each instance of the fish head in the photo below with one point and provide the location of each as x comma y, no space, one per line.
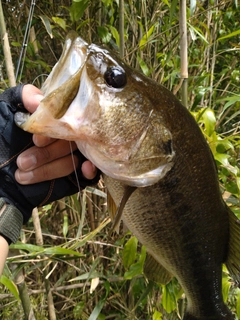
95,99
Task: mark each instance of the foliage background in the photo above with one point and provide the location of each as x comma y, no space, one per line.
67,267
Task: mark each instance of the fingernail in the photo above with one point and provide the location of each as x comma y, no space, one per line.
24,177
39,97
26,162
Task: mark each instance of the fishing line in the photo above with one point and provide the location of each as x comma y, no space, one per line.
75,171
40,75
25,40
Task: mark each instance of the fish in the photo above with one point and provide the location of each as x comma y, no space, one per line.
156,164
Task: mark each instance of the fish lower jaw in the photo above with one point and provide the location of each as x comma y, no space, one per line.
141,180
125,172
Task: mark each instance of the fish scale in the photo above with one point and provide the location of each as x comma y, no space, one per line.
156,164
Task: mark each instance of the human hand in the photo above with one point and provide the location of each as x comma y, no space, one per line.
49,158
18,200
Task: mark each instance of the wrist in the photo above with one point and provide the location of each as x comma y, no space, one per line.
4,253
13,96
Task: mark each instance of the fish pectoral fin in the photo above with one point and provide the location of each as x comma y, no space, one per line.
111,206
117,211
233,257
154,271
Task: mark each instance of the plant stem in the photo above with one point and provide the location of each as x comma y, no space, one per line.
183,51
6,49
121,27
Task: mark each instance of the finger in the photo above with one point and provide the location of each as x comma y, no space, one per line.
31,97
56,169
42,141
89,170
36,157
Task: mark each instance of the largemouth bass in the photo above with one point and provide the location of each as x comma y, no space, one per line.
155,162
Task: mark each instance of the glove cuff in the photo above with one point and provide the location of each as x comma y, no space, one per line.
11,221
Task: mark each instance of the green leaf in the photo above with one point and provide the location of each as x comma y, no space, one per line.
230,35
222,158
225,287
27,247
143,253
77,9
16,44
96,311
115,34
86,276
41,250
238,182
198,32
47,25
209,120
61,251
143,66
91,235
136,269
146,37
96,192
168,299
61,22
130,252
230,101
224,145
238,305
10,285
173,9
157,315
145,293
104,34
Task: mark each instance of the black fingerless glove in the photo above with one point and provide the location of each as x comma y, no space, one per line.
17,201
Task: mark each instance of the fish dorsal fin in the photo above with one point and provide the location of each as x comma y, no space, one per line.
233,258
117,211
155,271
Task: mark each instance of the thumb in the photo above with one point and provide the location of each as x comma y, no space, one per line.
31,97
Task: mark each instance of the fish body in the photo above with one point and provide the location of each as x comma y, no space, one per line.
140,136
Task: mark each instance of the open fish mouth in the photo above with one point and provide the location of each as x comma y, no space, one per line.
92,98
59,90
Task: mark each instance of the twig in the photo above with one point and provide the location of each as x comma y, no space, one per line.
63,288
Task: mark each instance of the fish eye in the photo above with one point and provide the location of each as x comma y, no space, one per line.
115,77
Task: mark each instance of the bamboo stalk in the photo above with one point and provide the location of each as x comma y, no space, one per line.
183,51
6,49
121,27
39,241
19,280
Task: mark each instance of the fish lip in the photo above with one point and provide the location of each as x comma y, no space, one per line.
72,60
